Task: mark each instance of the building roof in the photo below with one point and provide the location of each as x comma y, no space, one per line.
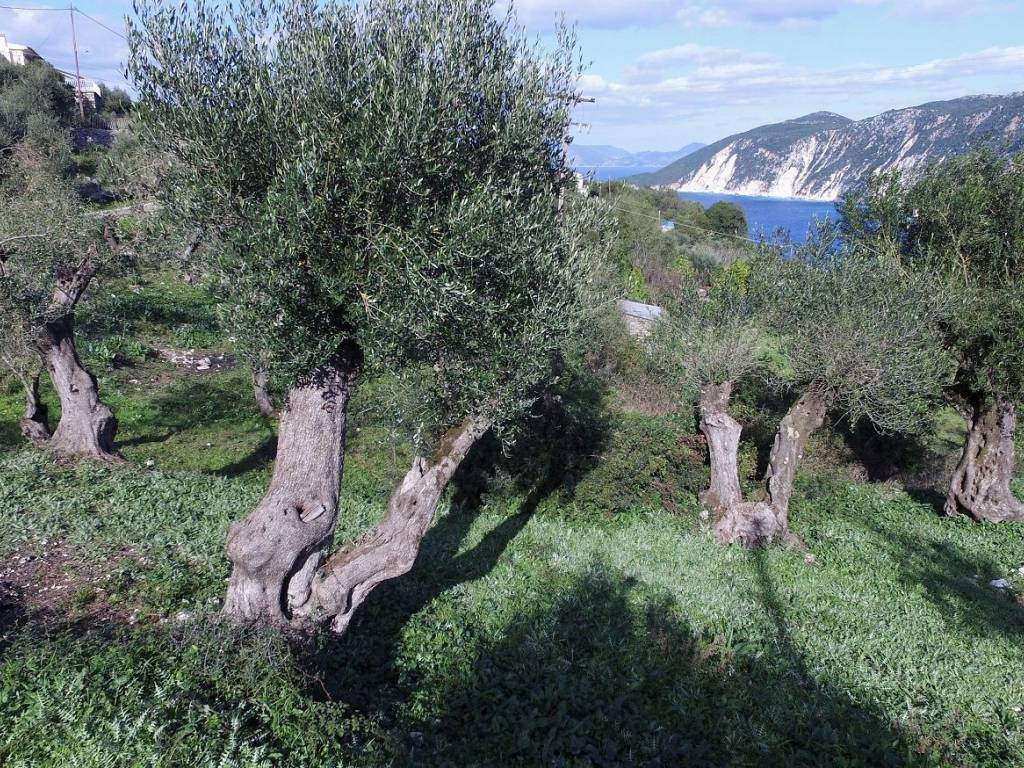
7,48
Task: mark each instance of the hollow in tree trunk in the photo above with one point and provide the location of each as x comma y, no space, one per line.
35,424
87,427
723,435
389,549
277,549
980,486
754,523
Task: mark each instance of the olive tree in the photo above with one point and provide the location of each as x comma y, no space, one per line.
50,252
855,338
963,222
704,345
387,184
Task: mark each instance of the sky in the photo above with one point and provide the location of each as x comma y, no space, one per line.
665,73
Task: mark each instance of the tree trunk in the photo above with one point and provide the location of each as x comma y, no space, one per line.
35,424
389,549
980,486
87,426
259,386
761,522
723,435
277,549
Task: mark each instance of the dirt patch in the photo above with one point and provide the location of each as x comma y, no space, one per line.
198,360
49,579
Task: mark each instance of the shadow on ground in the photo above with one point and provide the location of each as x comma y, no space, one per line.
600,673
956,581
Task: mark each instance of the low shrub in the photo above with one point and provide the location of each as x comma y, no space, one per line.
649,462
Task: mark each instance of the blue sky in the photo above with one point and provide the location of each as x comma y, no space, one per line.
668,72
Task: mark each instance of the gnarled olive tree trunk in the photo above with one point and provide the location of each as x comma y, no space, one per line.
753,523
87,427
35,424
277,549
262,395
389,550
723,435
980,486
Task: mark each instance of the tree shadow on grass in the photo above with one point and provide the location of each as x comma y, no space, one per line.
565,437
260,456
342,667
957,582
195,402
601,672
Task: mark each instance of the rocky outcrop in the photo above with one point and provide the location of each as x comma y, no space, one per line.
820,156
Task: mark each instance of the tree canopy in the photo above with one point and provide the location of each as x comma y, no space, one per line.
352,152
963,221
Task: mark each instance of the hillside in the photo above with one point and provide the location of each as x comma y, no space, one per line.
605,156
820,155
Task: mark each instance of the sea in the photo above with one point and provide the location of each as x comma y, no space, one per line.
765,215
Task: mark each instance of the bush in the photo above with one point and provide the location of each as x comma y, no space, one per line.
649,462
117,351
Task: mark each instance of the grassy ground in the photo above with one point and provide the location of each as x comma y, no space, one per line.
528,633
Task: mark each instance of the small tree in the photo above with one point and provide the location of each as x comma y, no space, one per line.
50,253
727,219
386,180
855,337
704,345
34,99
963,223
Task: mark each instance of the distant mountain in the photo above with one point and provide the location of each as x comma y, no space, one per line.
819,156
604,156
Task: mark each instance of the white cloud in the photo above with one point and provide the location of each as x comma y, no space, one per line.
614,14
542,14
686,82
706,57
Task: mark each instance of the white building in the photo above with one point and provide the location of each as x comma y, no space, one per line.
92,97
15,53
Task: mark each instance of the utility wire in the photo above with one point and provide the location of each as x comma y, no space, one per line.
680,224
100,23
67,8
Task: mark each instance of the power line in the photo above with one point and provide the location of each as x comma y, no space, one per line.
680,224
66,8
100,23
22,8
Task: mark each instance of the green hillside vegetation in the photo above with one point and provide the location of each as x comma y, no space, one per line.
555,497
652,263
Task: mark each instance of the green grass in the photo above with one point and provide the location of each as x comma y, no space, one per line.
585,625
524,638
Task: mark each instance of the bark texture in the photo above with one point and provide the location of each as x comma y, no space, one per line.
35,424
262,395
87,427
389,549
980,486
723,435
277,549
756,523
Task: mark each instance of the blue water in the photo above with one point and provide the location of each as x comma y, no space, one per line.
766,215
607,173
